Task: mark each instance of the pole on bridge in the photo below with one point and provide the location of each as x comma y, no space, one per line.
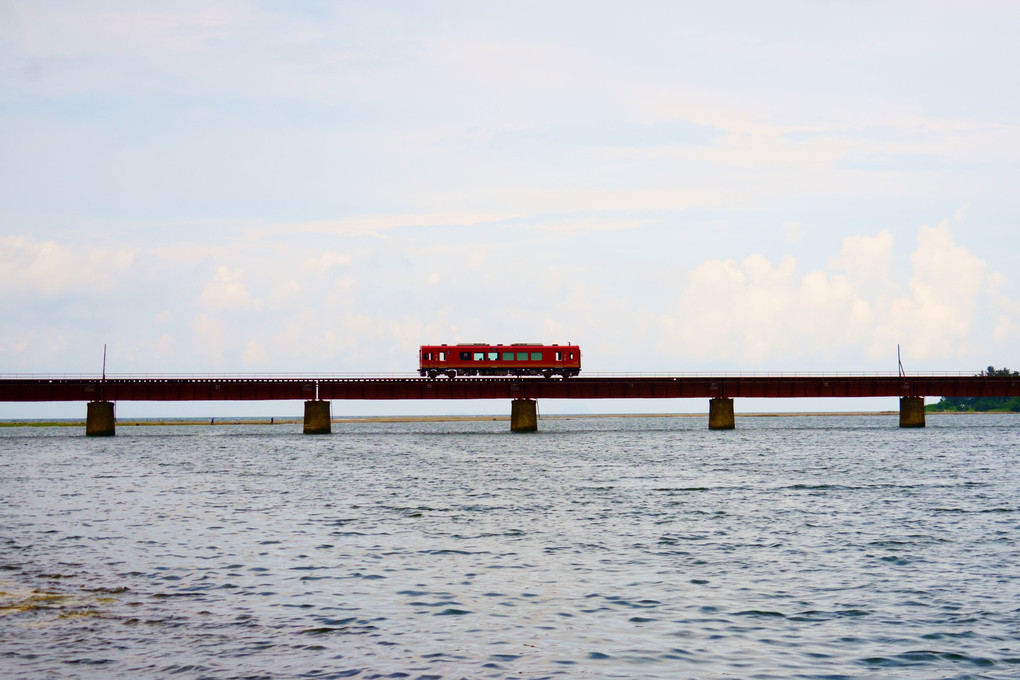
99,417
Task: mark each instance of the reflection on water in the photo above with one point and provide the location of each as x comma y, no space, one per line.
814,547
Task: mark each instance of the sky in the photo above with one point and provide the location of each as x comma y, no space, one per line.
224,187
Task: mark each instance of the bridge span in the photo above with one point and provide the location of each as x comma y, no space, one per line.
318,392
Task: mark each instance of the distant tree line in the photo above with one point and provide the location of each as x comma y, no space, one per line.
981,403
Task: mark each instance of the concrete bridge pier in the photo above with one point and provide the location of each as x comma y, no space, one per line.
720,414
911,411
524,415
317,417
99,419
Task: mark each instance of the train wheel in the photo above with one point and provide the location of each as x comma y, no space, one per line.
451,374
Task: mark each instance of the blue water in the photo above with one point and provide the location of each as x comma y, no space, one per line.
814,547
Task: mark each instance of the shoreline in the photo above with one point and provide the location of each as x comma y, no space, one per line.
296,420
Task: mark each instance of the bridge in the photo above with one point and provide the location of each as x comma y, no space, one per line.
101,393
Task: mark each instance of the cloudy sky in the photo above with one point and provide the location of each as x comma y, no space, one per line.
321,187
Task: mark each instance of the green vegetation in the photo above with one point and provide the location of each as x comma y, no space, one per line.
981,404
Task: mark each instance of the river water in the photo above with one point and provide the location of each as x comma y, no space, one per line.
795,547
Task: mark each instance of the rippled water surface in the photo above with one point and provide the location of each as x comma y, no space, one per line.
816,547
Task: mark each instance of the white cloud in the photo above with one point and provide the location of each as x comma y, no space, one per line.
753,312
286,292
21,349
326,261
1005,329
227,292
209,334
948,288
592,225
53,268
255,352
868,262
378,224
794,231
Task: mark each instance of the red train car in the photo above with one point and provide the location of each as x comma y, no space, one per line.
477,358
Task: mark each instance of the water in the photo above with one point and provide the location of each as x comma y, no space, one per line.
821,547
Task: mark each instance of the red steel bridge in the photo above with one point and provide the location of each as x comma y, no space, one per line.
720,389
249,388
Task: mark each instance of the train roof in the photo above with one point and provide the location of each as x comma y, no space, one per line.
512,344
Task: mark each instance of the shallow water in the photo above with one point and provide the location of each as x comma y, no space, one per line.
814,547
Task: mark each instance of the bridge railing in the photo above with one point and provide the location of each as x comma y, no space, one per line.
403,375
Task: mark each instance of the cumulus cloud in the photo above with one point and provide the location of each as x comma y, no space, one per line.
226,292
754,312
326,261
19,345
254,352
866,259
592,225
53,268
211,336
948,287
794,231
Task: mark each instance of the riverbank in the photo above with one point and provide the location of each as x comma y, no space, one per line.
290,420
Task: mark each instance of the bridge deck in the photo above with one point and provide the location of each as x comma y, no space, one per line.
310,388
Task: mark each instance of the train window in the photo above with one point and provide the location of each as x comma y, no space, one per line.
493,356
442,356
465,356
508,356
522,356
536,356
427,356
479,356
559,356
571,355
